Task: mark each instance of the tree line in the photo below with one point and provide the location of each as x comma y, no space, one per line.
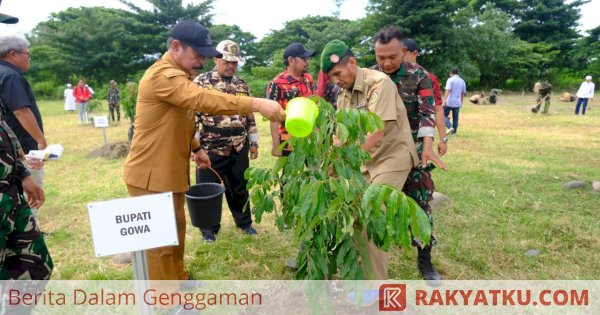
501,44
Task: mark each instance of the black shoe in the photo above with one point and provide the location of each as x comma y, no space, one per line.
426,268
209,238
249,230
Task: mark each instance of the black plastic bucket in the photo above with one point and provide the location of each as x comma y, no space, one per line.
205,204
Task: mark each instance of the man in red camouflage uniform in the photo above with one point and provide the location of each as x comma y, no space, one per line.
415,89
228,139
295,81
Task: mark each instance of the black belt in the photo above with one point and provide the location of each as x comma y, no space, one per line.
226,132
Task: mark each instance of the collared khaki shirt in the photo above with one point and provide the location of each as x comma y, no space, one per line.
163,138
375,92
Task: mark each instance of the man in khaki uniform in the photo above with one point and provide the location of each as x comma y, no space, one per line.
392,149
163,138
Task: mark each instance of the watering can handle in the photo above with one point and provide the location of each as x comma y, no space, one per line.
218,176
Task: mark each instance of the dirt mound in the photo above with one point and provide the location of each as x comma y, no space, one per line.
111,151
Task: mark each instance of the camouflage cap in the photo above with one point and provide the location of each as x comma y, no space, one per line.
332,54
230,50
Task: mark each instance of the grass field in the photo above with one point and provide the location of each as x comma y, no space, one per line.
506,171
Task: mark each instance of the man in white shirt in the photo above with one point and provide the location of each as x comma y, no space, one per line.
456,90
585,93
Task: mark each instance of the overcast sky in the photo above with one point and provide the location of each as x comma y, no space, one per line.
255,16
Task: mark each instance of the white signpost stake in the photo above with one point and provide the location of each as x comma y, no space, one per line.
101,122
134,225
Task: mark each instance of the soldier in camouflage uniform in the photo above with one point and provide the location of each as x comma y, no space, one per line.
543,90
228,139
114,100
23,252
415,89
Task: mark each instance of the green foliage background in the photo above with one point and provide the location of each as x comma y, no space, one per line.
506,44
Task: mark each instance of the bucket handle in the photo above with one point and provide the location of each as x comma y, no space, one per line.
218,176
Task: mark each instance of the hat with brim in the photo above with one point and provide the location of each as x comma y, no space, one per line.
196,36
297,50
7,19
205,51
230,50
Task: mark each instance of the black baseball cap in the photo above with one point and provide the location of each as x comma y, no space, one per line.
297,50
196,36
410,45
7,19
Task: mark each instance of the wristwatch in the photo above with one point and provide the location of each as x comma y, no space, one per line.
444,140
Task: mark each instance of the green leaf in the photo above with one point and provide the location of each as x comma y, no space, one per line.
342,133
279,164
282,145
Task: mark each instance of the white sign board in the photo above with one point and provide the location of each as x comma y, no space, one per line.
101,121
132,224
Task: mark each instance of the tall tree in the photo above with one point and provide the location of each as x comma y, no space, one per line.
485,40
587,53
429,22
164,14
101,44
98,44
313,31
553,22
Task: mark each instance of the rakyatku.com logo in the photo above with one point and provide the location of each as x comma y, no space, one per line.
392,297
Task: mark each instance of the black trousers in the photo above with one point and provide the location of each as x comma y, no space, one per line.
231,169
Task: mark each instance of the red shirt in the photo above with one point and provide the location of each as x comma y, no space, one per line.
284,88
82,94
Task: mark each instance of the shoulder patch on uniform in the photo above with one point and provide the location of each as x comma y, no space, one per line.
169,73
374,98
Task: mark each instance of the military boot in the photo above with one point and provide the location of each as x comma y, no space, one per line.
425,266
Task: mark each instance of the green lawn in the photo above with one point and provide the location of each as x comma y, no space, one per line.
506,171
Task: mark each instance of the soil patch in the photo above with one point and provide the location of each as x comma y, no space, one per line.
111,151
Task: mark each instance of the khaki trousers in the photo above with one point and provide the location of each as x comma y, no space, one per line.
166,263
379,260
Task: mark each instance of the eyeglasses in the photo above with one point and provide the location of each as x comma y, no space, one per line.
24,53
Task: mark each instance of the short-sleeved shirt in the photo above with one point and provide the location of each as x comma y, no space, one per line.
457,86
285,87
374,91
223,134
16,93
